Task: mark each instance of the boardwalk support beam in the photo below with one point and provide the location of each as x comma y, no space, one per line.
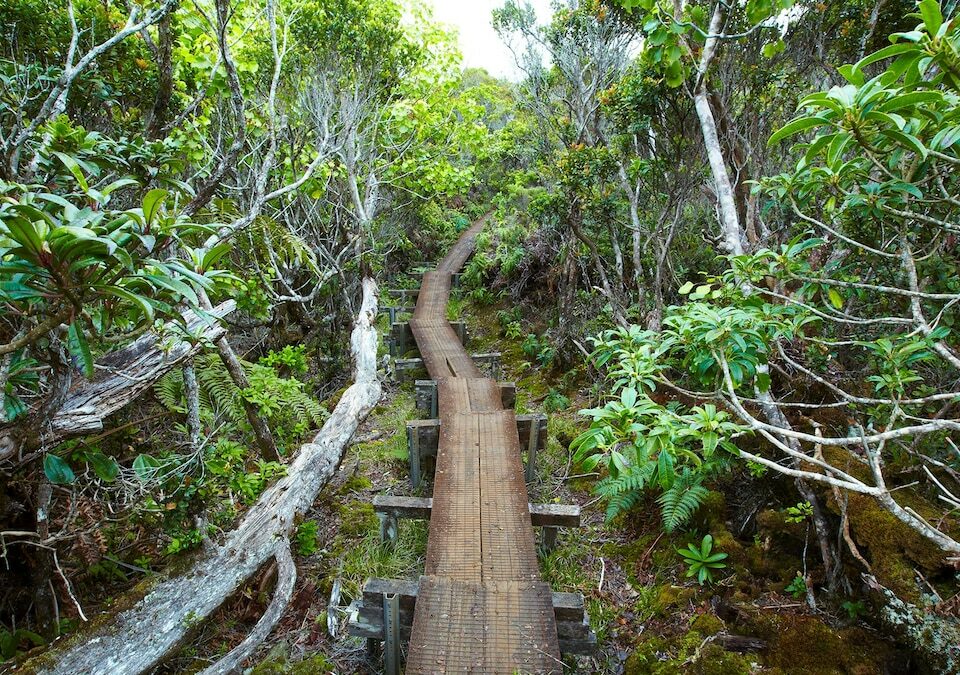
425,394
490,360
391,630
366,615
391,509
423,437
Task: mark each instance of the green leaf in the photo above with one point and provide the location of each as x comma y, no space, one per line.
686,288
57,470
835,298
152,202
771,49
887,52
628,397
145,467
138,300
795,127
763,382
105,467
74,168
78,345
907,140
932,18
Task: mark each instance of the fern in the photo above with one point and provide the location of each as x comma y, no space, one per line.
624,490
169,390
290,409
682,499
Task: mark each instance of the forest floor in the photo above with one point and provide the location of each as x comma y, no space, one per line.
647,616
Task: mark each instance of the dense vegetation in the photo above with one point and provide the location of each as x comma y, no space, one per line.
724,233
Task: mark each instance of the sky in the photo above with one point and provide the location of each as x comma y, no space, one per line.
479,43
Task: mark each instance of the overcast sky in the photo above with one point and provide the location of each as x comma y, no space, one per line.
479,43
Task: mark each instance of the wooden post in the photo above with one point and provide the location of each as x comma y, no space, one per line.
399,331
532,444
549,538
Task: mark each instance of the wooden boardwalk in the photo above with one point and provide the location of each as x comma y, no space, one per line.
481,606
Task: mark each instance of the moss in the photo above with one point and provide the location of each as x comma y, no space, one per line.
277,663
894,549
673,596
357,518
707,624
803,644
685,655
356,483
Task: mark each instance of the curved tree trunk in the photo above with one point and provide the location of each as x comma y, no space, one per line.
138,638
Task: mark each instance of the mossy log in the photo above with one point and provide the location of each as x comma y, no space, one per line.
136,639
121,377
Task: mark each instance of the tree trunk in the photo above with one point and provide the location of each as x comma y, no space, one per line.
733,238
138,638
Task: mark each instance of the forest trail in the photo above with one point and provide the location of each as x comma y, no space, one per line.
481,606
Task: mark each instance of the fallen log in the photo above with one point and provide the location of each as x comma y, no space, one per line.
122,376
137,639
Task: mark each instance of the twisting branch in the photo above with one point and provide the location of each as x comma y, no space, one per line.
56,99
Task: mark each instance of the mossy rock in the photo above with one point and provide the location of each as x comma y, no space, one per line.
357,518
799,644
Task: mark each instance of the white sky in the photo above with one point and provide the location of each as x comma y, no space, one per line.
479,43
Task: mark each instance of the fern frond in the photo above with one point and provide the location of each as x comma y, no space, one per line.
169,391
622,492
680,502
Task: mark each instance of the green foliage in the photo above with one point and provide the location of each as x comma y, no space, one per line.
798,587
291,359
854,609
555,402
799,513
12,642
305,540
539,349
667,37
644,445
290,409
679,502
702,561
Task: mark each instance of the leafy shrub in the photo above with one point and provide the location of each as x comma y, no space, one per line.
797,587
305,540
702,561
555,401
538,349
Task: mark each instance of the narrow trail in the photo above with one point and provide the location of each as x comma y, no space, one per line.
481,605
